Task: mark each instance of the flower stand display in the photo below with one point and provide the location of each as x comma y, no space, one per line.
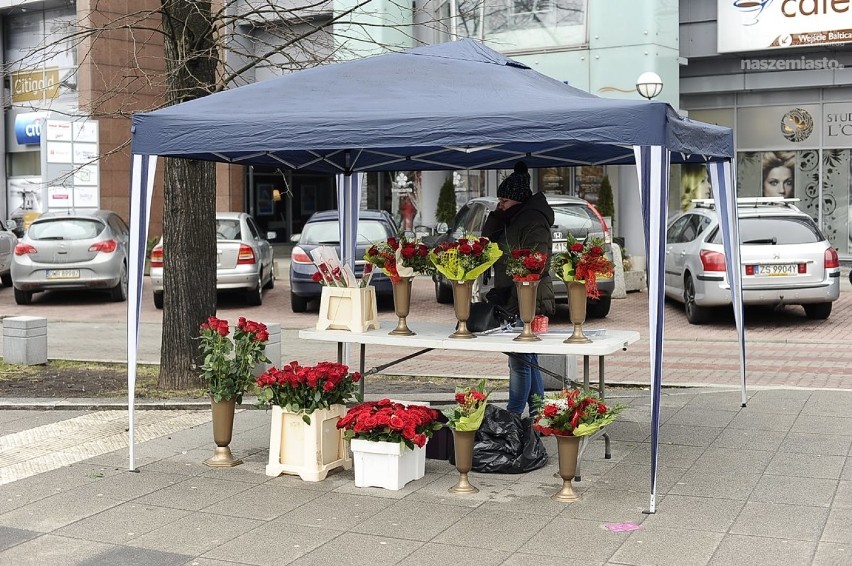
389,465
348,308
307,450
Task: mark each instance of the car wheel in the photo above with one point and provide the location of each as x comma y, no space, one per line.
443,293
271,283
254,297
6,279
694,314
158,300
297,303
598,308
818,311
23,297
119,293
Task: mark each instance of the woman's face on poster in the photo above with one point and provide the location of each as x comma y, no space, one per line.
778,182
704,186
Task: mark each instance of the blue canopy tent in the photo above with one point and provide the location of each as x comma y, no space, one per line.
470,108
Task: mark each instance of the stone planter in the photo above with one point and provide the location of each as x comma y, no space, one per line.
307,450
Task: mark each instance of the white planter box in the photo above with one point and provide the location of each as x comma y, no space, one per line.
352,309
307,450
386,464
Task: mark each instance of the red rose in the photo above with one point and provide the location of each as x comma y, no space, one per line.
465,249
372,251
550,411
477,249
420,440
576,247
516,254
459,398
408,252
393,243
596,251
396,422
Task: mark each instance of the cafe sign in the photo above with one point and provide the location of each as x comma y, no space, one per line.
749,25
33,85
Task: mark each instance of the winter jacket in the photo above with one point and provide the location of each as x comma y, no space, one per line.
525,225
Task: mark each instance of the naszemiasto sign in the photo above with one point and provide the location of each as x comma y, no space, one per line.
750,25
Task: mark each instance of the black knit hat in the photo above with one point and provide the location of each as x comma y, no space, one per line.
517,185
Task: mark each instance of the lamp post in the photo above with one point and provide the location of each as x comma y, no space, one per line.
649,85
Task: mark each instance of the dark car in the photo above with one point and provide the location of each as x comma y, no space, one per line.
572,216
323,229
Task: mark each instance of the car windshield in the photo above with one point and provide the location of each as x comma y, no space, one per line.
579,220
65,229
369,232
227,229
775,231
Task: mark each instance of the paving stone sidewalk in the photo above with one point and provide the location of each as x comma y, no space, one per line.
769,484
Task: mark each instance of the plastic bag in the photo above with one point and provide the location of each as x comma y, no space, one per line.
507,444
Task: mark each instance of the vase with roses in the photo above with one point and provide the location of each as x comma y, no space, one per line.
465,418
526,266
227,369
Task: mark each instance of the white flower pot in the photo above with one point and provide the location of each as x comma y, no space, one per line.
352,309
389,465
307,450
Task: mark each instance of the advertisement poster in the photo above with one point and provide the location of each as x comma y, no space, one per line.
694,184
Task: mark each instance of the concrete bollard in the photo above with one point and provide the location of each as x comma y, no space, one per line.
273,348
25,340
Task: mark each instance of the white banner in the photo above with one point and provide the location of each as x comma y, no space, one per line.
749,25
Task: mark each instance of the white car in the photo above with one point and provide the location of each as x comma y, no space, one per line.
243,259
8,240
785,259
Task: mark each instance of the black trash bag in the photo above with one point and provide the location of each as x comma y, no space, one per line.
507,444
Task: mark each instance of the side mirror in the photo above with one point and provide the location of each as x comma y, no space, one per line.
295,237
11,225
442,228
271,235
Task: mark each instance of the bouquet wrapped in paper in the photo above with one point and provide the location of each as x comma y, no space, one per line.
466,259
400,257
469,410
572,412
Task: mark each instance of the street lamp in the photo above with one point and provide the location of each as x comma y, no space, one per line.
649,85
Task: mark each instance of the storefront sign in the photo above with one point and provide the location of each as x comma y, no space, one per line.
749,25
28,127
41,84
779,127
837,130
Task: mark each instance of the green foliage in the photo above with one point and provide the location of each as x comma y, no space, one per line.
605,203
446,211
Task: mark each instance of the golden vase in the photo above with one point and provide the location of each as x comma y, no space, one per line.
527,295
568,448
401,306
462,291
223,428
463,441
577,311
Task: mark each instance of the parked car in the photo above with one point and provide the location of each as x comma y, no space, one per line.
72,250
8,240
785,259
244,259
572,216
322,229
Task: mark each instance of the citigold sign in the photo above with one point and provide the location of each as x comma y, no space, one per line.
35,85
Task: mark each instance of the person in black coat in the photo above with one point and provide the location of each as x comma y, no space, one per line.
522,220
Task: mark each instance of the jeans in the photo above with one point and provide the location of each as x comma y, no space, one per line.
524,382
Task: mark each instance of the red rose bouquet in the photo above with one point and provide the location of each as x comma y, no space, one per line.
525,264
583,262
465,259
469,410
386,421
304,389
227,366
572,412
400,257
329,275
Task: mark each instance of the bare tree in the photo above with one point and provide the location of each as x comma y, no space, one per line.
172,51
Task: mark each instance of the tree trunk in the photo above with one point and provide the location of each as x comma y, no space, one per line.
189,232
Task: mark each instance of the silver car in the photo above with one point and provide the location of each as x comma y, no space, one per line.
243,259
72,250
785,259
8,240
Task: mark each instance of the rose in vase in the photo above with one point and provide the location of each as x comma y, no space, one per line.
525,264
465,259
582,262
228,366
469,411
572,412
400,257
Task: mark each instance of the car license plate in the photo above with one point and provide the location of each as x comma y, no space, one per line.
63,273
559,247
773,270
